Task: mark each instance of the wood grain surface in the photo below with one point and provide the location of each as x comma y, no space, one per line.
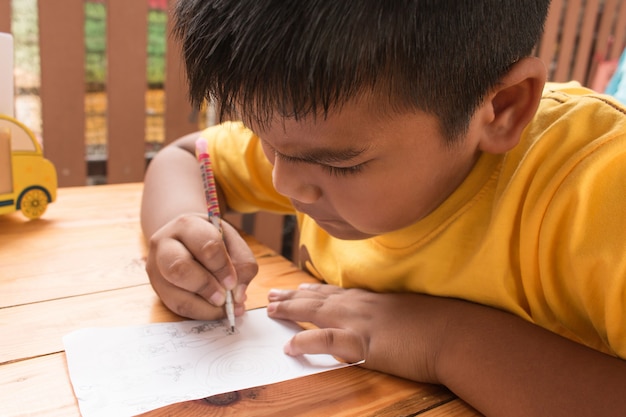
82,265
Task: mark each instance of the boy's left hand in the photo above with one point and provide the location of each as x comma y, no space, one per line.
499,363
394,333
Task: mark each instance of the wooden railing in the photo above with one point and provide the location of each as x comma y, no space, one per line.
579,36
62,92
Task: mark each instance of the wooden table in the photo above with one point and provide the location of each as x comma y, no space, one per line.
82,264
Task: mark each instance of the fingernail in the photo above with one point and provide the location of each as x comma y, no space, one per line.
274,294
240,309
217,299
287,349
240,293
229,282
271,307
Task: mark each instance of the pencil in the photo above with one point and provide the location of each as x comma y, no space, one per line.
213,210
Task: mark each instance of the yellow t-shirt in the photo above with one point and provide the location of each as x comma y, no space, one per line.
539,231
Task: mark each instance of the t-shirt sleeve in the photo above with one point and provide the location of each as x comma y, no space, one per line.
583,247
242,171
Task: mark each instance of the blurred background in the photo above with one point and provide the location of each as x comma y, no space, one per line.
24,24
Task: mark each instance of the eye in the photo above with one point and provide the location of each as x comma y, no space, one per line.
330,169
286,158
343,171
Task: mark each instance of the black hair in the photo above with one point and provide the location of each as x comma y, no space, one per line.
297,58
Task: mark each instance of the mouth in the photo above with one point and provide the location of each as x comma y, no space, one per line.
319,217
333,225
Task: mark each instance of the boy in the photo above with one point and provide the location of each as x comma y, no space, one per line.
470,232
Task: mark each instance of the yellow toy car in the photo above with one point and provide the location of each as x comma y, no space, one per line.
28,181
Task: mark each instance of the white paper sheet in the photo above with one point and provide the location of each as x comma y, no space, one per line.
126,371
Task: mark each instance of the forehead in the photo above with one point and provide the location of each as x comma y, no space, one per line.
360,128
356,126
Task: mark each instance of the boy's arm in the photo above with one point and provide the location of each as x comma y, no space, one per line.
497,362
172,185
189,264
504,365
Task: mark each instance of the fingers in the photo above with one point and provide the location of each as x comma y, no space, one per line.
307,290
315,303
184,303
342,326
191,265
321,305
180,268
204,242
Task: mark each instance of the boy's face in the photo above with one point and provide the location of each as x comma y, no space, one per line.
359,173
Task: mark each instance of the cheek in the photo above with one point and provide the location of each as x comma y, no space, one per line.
374,208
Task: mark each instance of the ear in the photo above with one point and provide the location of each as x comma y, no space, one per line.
510,106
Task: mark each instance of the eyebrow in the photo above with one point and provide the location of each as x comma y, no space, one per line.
326,155
323,155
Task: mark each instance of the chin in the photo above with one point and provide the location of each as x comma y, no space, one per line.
343,231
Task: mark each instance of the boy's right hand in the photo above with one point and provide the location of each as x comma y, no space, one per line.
190,267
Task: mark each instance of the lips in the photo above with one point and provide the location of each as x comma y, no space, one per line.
331,223
319,217
308,210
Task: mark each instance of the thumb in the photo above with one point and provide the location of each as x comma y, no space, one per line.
340,343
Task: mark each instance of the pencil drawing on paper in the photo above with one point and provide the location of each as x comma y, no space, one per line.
125,371
244,363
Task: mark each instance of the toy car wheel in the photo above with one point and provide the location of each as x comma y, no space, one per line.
34,203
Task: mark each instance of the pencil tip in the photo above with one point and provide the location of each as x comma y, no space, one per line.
232,329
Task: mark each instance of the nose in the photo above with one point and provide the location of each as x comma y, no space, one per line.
292,180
